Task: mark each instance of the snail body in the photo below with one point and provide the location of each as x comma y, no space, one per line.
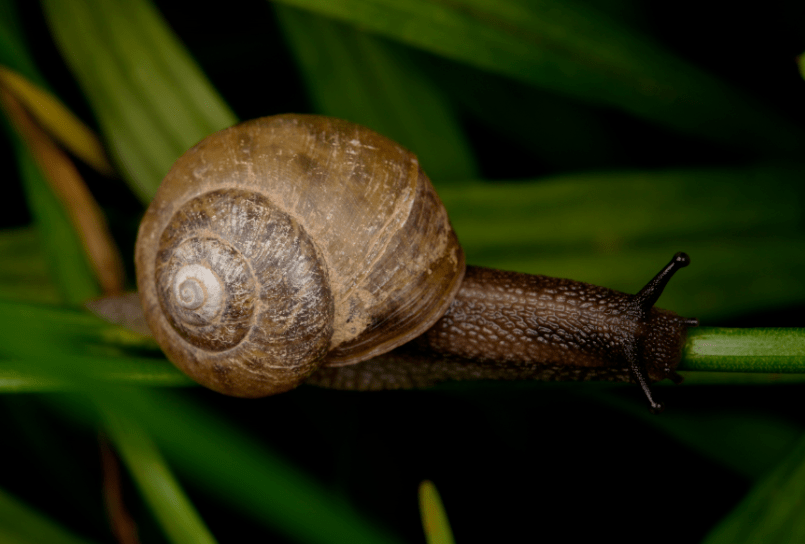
513,326
299,247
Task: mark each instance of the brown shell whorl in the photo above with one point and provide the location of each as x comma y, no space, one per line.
242,285
350,213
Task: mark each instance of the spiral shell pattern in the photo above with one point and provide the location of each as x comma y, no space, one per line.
227,291
289,242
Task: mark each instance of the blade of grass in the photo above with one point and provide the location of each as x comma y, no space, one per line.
231,466
30,425
566,209
85,216
151,100
555,130
57,120
24,269
434,520
44,342
65,254
772,510
21,522
186,435
9,538
67,260
570,48
14,52
749,442
91,348
352,75
70,331
168,502
209,451
742,229
72,346
801,62
17,377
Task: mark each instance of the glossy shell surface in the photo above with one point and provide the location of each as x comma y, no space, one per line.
289,242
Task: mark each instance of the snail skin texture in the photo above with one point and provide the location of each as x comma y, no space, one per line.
300,248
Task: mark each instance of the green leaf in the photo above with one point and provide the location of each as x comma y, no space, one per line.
232,467
569,48
21,523
554,130
67,260
434,520
57,120
772,511
355,76
17,376
75,350
74,347
170,505
14,52
749,442
741,228
87,348
801,62
24,274
151,100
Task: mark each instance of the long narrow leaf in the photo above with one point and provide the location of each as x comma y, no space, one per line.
19,521
67,260
63,179
801,62
84,347
57,120
47,344
570,48
18,377
747,441
176,514
356,76
231,466
772,511
69,346
741,228
434,520
556,131
151,100
14,52
24,270
65,253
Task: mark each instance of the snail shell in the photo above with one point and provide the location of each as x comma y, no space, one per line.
289,242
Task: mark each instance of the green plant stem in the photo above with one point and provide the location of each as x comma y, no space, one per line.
82,346
761,350
170,505
21,523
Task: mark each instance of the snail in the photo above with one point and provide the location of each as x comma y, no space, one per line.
301,248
